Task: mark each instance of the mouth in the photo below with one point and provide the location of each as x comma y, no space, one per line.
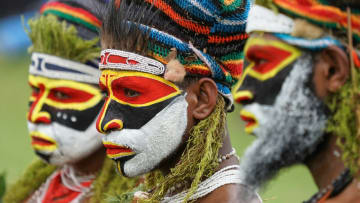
250,120
41,142
115,151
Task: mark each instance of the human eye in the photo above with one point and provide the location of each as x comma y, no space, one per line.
60,95
130,93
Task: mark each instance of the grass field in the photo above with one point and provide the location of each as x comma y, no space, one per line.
292,186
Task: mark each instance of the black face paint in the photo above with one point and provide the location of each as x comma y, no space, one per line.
133,117
264,92
78,120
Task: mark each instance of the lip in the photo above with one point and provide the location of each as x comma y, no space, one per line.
41,142
115,151
250,120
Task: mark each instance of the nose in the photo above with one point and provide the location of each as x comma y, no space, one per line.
244,96
107,121
36,112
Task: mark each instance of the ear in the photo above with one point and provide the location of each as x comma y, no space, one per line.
204,94
331,71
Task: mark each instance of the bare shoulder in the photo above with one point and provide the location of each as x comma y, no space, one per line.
234,193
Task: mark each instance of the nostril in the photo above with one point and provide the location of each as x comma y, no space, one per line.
244,97
112,125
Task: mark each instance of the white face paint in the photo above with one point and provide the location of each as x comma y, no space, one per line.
67,144
155,141
288,131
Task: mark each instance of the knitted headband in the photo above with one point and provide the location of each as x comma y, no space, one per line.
209,39
84,15
320,12
316,16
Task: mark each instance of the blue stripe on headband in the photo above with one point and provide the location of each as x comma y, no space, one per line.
312,44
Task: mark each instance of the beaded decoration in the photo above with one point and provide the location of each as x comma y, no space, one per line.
227,175
59,68
122,60
335,188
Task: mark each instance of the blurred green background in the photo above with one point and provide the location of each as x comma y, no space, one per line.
291,186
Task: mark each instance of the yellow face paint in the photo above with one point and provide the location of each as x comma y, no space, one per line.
268,57
151,88
61,94
41,142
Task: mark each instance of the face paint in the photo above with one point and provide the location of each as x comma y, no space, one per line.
288,131
268,62
151,114
62,119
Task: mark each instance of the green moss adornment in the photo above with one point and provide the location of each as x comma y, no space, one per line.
35,175
343,124
107,182
49,36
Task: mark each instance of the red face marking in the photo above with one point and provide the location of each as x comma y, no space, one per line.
140,90
266,58
69,95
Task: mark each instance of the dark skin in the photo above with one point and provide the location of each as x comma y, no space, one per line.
331,71
201,98
92,163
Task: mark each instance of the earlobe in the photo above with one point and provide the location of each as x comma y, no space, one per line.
206,98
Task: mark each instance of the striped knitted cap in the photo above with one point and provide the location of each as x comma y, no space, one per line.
208,36
329,14
83,14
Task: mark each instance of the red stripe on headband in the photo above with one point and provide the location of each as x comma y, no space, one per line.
71,10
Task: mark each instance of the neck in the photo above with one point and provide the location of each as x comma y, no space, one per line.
226,149
326,165
92,163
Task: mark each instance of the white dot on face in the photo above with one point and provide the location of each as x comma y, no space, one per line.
73,119
64,116
58,114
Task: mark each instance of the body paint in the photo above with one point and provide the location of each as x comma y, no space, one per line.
62,119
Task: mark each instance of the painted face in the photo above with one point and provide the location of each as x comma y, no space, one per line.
61,119
144,117
267,64
280,108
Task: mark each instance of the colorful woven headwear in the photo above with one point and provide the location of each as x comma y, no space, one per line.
80,13
322,13
84,16
212,31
